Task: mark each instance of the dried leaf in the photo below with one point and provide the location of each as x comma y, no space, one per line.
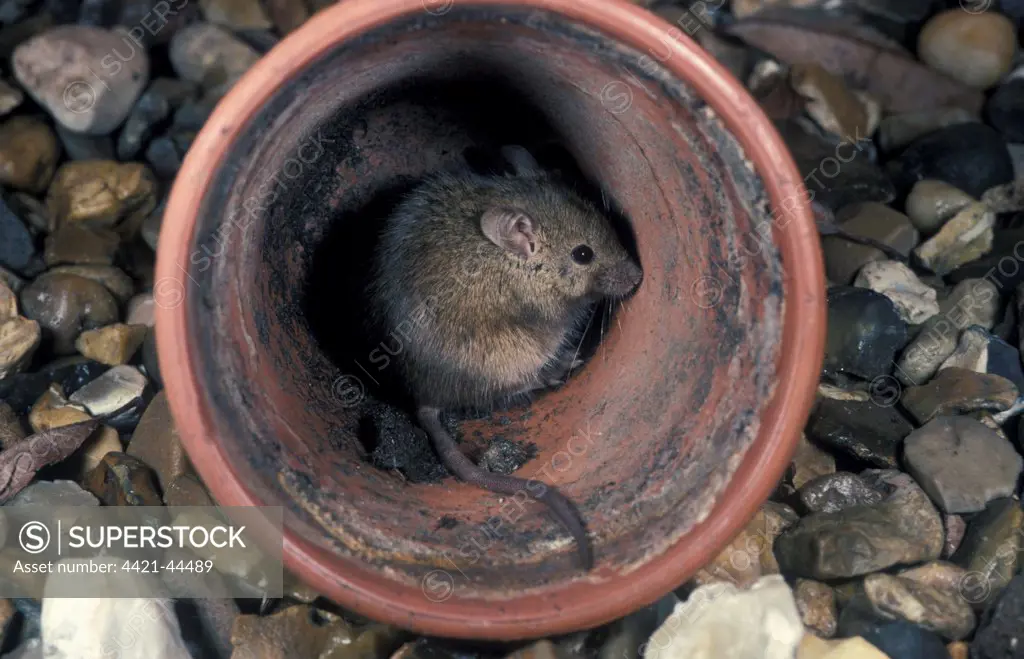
897,80
20,462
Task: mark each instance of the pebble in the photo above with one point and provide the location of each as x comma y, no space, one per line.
288,15
122,480
865,430
817,606
96,626
150,359
81,245
959,650
84,76
34,212
832,105
970,156
11,280
844,259
812,647
11,428
1005,110
53,410
86,147
915,301
17,246
903,529
157,443
837,185
720,620
749,556
931,203
105,441
959,391
971,351
1006,198
1001,635
19,339
10,97
297,631
865,331
990,551
940,610
156,104
66,305
976,48
624,637
971,302
59,493
903,640
151,225
236,14
119,395
114,279
22,390
835,492
141,310
187,490
962,463
210,55
8,303
955,529
248,564
28,154
965,237
165,156
810,462
898,130
103,194
112,344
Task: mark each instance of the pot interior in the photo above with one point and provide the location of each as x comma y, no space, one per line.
643,439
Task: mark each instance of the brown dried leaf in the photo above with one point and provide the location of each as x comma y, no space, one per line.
20,462
899,82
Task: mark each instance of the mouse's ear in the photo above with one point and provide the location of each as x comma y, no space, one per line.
521,160
510,229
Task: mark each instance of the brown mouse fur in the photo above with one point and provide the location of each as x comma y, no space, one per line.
478,275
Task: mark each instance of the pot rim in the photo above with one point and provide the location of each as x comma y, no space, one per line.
583,603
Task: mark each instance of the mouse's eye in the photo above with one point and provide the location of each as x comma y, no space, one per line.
582,254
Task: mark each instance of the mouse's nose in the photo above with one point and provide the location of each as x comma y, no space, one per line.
621,280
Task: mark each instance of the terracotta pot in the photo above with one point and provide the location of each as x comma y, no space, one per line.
669,439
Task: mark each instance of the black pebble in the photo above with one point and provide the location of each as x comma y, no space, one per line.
864,333
1005,110
970,156
1000,632
17,247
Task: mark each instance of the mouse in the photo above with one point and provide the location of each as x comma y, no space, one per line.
489,281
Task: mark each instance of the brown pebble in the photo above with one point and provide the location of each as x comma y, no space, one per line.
66,305
156,442
12,430
816,603
123,480
291,632
104,441
28,154
187,491
52,410
112,345
80,245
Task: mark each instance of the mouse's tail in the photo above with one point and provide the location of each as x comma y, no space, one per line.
463,468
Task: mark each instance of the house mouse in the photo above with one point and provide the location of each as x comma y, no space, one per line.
487,282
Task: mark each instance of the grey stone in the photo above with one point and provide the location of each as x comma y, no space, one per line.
88,78
903,529
834,492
